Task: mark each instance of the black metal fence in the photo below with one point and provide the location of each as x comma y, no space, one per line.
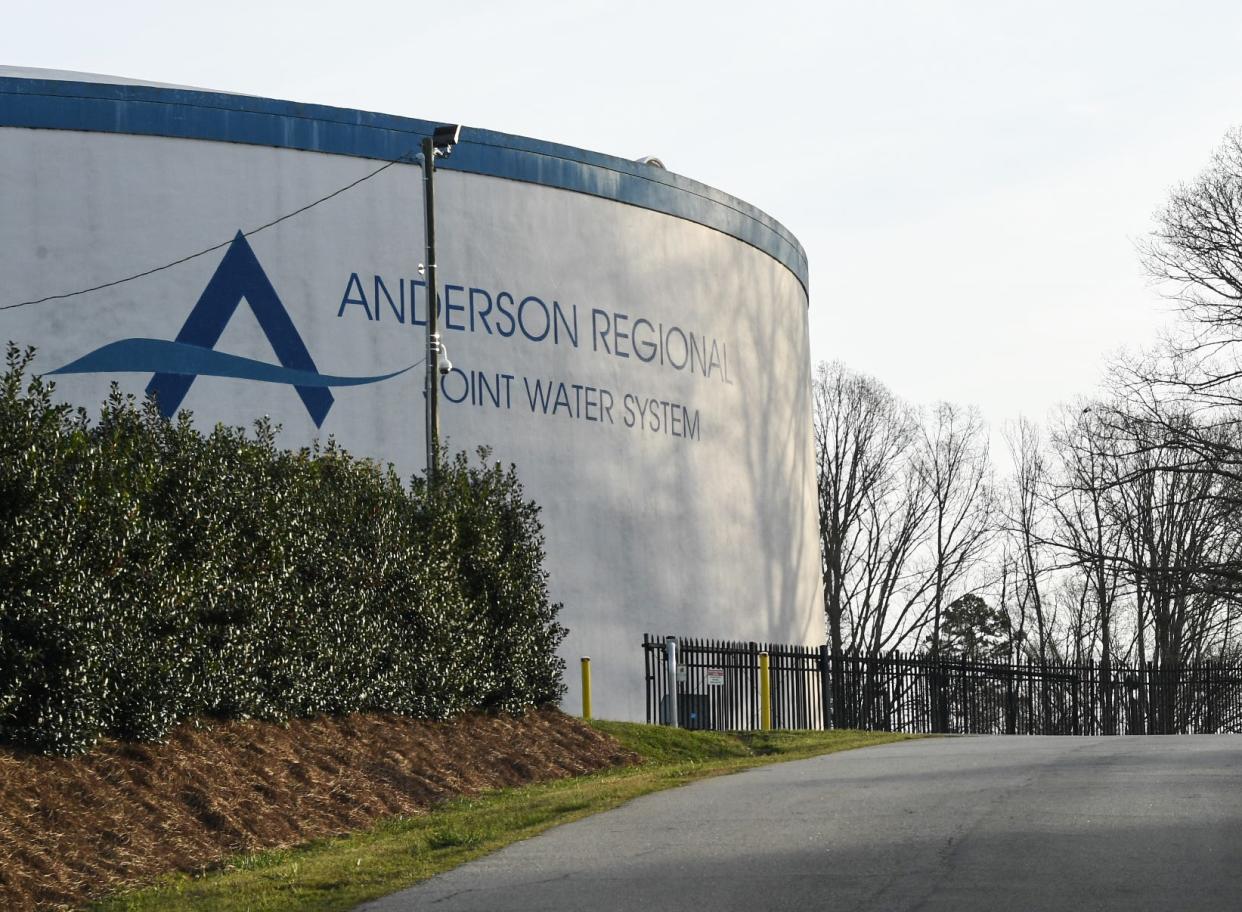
718,688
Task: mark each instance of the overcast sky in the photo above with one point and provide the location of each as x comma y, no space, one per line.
968,179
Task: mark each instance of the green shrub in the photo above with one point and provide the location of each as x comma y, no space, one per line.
151,573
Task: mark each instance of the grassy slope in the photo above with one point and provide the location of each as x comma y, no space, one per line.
338,874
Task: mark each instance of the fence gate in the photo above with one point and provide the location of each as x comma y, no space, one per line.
720,687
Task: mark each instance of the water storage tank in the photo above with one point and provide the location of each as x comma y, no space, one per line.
634,341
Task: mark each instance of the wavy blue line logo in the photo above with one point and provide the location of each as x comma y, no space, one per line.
192,354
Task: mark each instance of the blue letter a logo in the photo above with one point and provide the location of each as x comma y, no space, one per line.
178,363
238,276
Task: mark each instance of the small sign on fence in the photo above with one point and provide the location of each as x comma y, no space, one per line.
715,677
682,674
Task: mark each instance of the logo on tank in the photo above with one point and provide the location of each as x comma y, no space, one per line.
177,364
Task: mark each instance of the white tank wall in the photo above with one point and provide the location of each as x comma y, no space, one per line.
712,536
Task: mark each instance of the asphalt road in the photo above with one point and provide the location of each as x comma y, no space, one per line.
994,823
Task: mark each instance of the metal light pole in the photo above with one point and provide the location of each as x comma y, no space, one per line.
433,337
441,142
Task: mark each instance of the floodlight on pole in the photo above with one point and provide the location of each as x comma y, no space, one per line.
445,136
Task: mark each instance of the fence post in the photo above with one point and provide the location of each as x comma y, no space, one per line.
765,693
670,660
1075,703
825,684
940,702
653,701
1011,703
586,687
1209,724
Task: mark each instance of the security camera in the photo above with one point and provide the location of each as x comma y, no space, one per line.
443,362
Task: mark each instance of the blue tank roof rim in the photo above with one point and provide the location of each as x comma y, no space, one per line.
60,104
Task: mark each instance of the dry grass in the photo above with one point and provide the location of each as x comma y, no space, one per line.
75,829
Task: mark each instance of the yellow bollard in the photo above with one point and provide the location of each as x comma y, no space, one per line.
765,694
586,687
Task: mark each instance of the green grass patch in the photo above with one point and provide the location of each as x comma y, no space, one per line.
338,874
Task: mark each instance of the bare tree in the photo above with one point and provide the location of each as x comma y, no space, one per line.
1177,536
1119,542
1011,596
1086,534
868,520
1195,252
1026,518
1081,495
1175,434
954,469
888,602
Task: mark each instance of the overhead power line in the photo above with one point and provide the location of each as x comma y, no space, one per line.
408,157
